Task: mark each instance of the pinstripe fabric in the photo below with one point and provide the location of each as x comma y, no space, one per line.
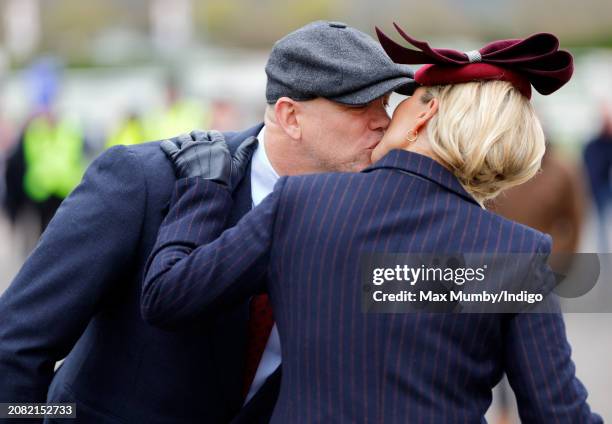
339,364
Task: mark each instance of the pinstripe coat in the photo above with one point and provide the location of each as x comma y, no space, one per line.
342,365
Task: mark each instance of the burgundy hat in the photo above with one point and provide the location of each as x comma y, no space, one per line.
535,60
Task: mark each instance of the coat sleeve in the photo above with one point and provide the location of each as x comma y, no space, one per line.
537,360
83,252
195,269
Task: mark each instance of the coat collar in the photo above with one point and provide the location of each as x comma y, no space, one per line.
424,167
233,139
243,200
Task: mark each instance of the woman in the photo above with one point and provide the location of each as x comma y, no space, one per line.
465,135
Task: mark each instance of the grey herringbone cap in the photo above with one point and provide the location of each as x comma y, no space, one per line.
334,61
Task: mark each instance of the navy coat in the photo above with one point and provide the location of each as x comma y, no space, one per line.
78,297
340,364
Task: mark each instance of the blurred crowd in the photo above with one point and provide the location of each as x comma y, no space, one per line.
43,158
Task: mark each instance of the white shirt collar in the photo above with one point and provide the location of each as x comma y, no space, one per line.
263,175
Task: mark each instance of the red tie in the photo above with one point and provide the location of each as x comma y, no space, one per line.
261,321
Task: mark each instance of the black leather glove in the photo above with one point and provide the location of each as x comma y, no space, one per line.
205,154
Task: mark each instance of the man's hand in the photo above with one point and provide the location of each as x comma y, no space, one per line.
205,154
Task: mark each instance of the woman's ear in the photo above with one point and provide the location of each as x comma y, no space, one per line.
429,111
286,113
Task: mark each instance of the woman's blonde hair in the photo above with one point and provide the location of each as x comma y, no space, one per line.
487,133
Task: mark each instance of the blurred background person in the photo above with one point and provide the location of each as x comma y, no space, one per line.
551,202
178,115
598,163
225,114
129,131
47,160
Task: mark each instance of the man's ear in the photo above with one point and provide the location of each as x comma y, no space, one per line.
286,113
428,112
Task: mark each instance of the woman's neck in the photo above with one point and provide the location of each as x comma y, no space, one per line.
422,146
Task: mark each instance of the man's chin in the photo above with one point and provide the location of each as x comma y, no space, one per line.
361,165
375,155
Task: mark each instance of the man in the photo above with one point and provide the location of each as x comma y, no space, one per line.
79,293
597,157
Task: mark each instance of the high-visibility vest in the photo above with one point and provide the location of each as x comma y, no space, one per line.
129,133
182,117
53,157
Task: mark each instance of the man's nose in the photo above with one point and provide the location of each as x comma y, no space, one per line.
380,119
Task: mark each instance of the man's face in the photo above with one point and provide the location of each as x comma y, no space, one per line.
340,138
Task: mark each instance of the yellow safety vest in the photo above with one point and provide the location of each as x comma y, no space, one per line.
131,132
53,158
181,117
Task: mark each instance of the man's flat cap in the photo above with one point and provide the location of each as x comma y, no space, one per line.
333,61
